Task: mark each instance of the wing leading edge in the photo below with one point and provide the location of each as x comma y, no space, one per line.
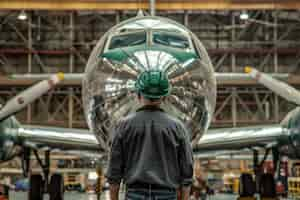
240,138
227,139
63,139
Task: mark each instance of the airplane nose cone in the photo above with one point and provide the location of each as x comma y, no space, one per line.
148,43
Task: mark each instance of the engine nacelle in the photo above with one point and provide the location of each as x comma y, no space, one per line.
291,123
9,147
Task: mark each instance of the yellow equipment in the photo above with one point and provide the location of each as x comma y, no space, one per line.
246,198
294,187
99,183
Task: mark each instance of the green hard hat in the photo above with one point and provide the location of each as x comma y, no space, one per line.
153,84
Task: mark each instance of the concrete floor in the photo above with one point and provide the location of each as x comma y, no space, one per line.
83,196
68,196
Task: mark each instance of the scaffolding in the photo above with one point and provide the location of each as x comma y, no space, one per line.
52,41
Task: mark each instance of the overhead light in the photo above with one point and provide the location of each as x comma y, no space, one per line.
140,13
244,15
22,15
92,176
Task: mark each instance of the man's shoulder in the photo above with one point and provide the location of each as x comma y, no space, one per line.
125,119
178,125
175,120
163,117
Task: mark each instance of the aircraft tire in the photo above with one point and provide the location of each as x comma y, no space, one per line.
36,187
267,186
247,185
56,187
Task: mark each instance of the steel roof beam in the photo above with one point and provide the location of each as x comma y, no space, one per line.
135,5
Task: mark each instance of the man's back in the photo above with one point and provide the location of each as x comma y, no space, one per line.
151,151
153,146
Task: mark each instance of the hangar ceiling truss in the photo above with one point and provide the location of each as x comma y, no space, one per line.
174,5
52,41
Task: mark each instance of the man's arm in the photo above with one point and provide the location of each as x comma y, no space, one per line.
185,192
115,168
114,191
186,165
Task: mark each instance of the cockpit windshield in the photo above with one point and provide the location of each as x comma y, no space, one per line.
128,39
171,40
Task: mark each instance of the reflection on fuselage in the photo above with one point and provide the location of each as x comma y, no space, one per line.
140,44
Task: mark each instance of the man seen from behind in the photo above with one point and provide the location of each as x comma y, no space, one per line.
151,151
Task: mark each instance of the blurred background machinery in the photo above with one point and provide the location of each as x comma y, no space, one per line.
61,40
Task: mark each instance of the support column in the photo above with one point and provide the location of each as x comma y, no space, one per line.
118,17
233,69
71,70
152,7
29,61
275,57
234,107
186,18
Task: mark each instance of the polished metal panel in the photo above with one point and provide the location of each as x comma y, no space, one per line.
223,77
8,142
291,122
112,68
241,138
285,138
58,138
220,77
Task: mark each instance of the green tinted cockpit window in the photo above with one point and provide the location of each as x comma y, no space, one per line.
126,40
171,40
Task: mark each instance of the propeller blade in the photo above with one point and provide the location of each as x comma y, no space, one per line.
38,77
29,95
278,87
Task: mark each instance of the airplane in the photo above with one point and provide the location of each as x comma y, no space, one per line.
17,140
127,49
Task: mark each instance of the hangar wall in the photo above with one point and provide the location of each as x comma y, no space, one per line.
52,41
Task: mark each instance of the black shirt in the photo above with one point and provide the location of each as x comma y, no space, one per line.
151,147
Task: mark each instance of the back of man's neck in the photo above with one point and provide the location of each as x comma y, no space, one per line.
151,104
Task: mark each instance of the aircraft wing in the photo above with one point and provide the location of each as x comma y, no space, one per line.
76,78
15,138
231,139
228,139
214,142
78,141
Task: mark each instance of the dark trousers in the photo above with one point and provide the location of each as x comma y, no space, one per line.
150,194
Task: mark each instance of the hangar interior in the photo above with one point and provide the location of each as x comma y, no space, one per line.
53,41
59,37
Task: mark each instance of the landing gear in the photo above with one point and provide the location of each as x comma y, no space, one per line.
56,187
263,183
45,167
267,186
36,187
247,186
40,184
25,160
